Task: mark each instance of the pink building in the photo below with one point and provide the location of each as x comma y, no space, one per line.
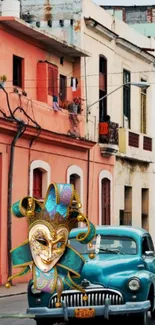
42,139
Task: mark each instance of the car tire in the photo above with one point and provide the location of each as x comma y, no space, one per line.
153,314
142,318
43,321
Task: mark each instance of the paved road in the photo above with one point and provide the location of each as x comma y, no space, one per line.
19,304
14,304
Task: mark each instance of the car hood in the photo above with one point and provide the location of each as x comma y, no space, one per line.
105,269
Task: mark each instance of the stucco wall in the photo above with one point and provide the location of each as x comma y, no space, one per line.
59,160
117,60
56,154
42,112
138,176
55,10
119,27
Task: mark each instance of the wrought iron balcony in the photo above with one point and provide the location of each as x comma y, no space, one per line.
108,138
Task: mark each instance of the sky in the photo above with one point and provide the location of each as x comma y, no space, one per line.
125,2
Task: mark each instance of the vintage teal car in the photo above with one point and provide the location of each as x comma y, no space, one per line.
118,277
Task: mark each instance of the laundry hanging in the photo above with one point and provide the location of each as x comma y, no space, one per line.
56,106
74,83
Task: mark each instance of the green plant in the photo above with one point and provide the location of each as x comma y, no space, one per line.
3,78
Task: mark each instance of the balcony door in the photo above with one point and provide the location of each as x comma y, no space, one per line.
126,99
102,87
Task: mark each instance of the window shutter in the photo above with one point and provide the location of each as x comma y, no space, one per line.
37,183
55,81
50,80
143,113
102,82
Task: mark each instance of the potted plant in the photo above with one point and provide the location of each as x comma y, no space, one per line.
3,79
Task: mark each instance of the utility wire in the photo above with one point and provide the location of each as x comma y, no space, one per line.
46,106
88,75
12,113
68,87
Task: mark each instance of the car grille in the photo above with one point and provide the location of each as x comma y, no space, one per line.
96,297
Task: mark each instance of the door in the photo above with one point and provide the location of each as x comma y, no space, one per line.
106,202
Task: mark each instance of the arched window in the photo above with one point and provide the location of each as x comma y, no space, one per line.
105,197
37,183
106,202
75,177
40,178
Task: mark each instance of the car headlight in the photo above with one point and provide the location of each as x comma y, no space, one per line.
134,284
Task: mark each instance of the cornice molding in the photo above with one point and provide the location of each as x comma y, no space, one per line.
48,137
100,29
135,50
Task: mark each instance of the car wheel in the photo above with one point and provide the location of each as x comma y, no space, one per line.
142,318
43,321
153,314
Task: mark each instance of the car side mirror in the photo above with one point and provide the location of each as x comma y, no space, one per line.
149,253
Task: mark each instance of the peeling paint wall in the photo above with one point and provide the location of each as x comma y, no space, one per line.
142,18
138,176
59,17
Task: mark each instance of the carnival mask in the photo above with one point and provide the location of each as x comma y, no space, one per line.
56,264
47,244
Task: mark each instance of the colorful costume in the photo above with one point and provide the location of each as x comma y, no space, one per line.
54,262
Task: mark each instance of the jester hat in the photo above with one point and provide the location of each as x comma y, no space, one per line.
61,204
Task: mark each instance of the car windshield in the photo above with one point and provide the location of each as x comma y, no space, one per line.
107,245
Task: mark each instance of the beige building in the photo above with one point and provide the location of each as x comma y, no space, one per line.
118,58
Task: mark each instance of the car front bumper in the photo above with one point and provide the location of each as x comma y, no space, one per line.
105,311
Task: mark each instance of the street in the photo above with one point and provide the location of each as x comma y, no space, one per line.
17,304
14,304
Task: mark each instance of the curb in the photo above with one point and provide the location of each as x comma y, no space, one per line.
12,294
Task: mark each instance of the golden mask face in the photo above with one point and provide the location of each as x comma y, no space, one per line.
47,245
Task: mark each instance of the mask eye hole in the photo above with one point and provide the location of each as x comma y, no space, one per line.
42,241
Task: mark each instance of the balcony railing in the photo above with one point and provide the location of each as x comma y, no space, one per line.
147,143
108,132
133,140
59,121
135,145
108,138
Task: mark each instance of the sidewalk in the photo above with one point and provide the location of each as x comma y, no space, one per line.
18,289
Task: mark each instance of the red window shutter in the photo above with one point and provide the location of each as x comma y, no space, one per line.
50,80
55,81
106,201
102,82
37,183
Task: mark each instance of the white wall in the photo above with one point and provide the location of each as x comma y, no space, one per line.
118,59
138,177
